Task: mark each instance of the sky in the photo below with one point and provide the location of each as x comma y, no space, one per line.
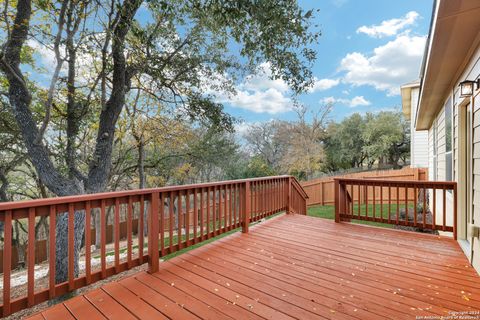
367,50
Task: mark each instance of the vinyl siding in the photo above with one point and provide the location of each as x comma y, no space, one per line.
419,139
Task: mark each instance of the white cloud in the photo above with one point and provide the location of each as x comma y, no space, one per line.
269,101
339,3
354,102
389,27
258,93
390,65
323,84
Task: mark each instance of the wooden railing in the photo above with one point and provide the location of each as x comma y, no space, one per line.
322,192
421,204
169,219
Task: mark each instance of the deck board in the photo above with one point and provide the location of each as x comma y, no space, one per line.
294,267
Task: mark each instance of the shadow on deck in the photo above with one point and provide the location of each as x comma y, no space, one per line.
294,266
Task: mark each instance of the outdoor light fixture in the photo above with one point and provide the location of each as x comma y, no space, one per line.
467,87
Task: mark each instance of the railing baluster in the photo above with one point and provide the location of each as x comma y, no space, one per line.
444,207
52,252
236,205
170,222
359,201
424,207
398,203
415,206
208,213
187,217
374,202
195,215
117,234
7,261
352,199
202,213
153,232
31,256
161,208
389,202
225,209
129,232
220,210
180,219
103,239
231,206
88,243
381,203
71,246
366,201
406,206
214,210
140,229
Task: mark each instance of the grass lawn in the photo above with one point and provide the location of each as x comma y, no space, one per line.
328,212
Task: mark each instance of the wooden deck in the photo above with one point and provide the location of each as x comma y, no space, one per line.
294,267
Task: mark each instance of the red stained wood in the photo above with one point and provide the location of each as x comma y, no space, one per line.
7,262
88,243
295,266
117,234
109,307
31,256
59,311
103,239
82,309
129,231
228,204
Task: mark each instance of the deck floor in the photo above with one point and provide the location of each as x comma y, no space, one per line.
294,267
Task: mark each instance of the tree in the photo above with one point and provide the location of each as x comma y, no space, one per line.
304,154
173,63
386,138
268,141
344,143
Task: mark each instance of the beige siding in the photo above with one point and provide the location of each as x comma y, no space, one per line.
476,162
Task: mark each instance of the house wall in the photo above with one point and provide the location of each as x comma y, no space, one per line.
419,139
437,135
459,156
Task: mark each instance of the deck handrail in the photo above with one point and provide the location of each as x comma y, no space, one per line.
176,217
403,195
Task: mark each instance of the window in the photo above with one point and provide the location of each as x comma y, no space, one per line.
448,140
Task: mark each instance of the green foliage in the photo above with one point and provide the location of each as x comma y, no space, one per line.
257,167
357,141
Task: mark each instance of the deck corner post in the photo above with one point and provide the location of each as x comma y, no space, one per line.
337,200
246,207
153,231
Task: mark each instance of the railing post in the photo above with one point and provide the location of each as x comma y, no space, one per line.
454,212
337,200
153,255
289,195
246,207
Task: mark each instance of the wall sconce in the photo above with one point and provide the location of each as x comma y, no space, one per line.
467,87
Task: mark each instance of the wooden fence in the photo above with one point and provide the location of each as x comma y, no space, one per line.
177,217
322,191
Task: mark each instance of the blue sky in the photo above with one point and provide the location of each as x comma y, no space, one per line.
367,50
